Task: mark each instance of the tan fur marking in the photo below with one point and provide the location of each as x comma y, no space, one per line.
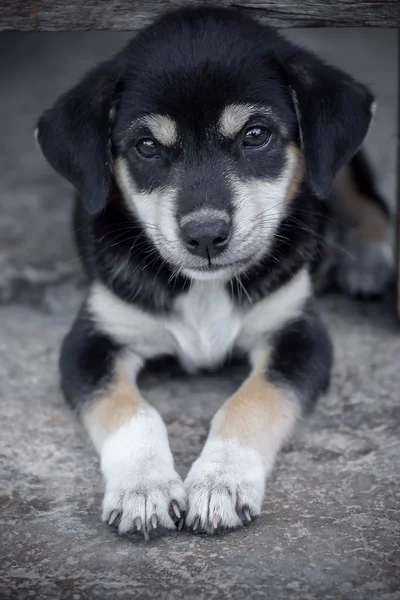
258,415
298,173
233,118
368,219
163,128
120,404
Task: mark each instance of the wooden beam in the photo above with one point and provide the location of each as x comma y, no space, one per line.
131,15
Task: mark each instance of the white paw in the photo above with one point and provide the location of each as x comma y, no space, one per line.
148,498
367,269
143,491
225,487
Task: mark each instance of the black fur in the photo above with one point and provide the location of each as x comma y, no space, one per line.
302,357
75,135
334,114
86,361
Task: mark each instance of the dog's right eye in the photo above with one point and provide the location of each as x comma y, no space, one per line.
148,148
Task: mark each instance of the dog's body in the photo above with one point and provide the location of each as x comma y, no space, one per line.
200,153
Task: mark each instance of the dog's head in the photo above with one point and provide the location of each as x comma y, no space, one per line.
208,122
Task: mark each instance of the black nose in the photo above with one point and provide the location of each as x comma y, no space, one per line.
206,238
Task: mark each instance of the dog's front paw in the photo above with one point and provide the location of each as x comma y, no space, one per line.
143,493
147,498
225,487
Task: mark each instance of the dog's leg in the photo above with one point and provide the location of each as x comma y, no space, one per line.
226,484
143,491
366,267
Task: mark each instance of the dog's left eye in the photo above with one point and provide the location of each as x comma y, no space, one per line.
148,148
256,137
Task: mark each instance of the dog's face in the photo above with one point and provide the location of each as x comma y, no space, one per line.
205,155
208,122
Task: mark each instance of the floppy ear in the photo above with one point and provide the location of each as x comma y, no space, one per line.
333,113
74,135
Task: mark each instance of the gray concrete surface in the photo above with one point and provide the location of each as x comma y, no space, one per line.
330,528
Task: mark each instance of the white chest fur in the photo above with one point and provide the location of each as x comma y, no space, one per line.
205,325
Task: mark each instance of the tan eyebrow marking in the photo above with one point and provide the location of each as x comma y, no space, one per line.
233,118
163,128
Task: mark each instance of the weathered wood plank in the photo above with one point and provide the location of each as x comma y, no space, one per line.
131,15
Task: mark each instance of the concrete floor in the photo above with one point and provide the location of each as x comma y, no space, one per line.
330,528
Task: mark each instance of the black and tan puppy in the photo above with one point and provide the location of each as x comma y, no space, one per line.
201,153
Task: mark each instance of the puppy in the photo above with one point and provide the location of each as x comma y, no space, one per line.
201,153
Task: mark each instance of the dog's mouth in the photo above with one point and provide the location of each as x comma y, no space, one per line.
219,269
214,267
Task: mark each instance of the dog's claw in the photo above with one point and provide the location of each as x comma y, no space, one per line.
138,523
154,521
113,517
181,524
196,524
247,515
216,521
175,509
